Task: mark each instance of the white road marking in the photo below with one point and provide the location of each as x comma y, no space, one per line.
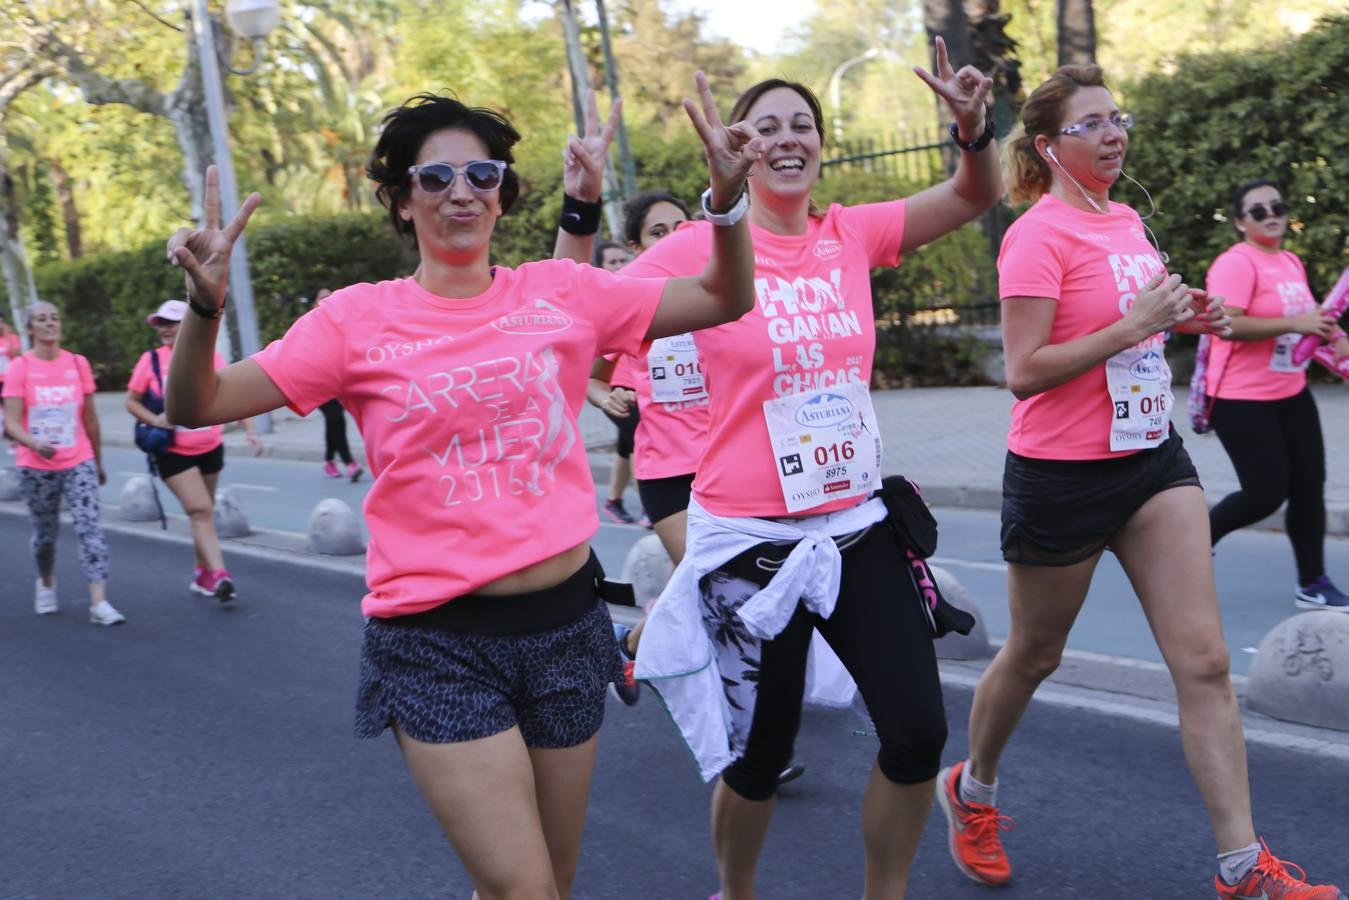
968,563
245,486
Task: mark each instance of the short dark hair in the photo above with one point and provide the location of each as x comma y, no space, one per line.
405,129
634,215
606,245
1240,191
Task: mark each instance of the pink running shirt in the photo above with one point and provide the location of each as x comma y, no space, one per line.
812,327
670,437
186,441
1093,265
10,350
54,392
1268,285
467,409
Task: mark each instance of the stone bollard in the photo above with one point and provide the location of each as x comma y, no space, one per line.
960,646
1301,672
647,567
137,503
230,521
335,530
9,484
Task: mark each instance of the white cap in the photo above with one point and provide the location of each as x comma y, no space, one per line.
169,311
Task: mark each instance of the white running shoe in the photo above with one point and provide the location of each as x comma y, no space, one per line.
44,599
105,614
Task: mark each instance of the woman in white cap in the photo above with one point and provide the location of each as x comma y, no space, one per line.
191,462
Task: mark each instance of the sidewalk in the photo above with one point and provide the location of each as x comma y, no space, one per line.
950,440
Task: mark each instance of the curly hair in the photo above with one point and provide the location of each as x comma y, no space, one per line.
634,214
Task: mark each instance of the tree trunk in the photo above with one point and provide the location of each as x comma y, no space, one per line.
947,18
1077,32
18,275
65,195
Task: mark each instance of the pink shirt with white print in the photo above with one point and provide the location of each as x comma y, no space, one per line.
671,437
54,392
186,441
1093,265
467,409
811,327
1268,285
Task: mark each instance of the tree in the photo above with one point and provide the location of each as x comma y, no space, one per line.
1077,32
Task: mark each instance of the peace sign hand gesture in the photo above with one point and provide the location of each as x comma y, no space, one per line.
583,159
731,150
204,253
966,92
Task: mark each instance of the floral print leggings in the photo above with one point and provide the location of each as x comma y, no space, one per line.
42,490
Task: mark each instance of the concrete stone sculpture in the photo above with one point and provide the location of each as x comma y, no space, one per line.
230,521
1301,671
335,530
9,484
137,503
960,646
647,567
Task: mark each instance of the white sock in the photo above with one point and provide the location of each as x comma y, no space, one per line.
1233,866
972,791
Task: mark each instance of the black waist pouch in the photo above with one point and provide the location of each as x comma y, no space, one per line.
915,530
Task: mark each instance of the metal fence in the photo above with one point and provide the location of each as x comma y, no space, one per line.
914,157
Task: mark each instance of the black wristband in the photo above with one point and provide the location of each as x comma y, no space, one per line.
203,311
579,217
978,143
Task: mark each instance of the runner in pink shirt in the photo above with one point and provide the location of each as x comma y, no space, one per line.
794,448
192,465
1093,463
1264,413
10,350
487,648
50,414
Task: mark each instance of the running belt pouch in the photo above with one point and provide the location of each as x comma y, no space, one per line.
152,438
915,528
619,593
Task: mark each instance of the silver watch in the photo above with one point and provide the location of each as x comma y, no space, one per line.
731,216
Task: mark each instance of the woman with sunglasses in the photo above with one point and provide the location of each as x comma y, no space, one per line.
1093,464
1263,411
50,414
487,648
782,539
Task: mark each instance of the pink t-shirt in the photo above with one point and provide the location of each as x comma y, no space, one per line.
186,441
1266,285
467,409
626,373
1093,265
54,392
812,327
670,436
10,350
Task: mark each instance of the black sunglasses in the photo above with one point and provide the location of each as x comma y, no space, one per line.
1260,214
482,175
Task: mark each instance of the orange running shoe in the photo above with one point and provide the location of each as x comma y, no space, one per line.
1271,880
975,843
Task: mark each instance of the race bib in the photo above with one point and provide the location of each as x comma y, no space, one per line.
826,445
53,425
1139,381
1281,360
676,372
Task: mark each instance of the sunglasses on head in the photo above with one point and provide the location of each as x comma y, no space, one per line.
1260,214
482,175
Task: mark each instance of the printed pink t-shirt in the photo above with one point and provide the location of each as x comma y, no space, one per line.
671,436
1267,285
467,409
1093,265
54,393
186,441
811,327
10,350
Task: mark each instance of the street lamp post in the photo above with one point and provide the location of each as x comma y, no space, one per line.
835,82
254,19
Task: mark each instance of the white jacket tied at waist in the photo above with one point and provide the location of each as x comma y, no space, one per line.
677,657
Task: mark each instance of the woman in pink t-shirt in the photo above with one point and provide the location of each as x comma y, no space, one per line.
50,414
191,466
1263,411
10,350
1093,463
487,648
782,540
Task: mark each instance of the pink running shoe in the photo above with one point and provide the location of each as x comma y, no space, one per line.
354,471
217,584
198,583
330,469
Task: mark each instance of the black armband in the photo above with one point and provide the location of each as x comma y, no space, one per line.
579,217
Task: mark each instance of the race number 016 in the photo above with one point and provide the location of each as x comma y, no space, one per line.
834,453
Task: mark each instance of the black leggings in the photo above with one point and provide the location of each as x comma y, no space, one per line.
1277,450
880,633
335,432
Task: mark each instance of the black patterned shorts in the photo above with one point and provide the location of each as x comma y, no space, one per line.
442,687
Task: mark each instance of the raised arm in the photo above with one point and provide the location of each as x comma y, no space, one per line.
725,289
197,394
583,161
976,185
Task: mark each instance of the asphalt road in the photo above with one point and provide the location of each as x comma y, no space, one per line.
205,751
